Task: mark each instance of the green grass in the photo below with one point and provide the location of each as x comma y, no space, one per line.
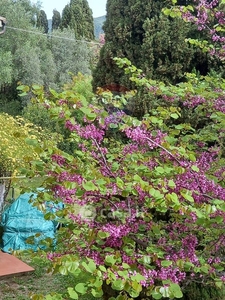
39,282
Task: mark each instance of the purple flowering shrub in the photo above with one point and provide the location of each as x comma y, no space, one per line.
209,16
144,215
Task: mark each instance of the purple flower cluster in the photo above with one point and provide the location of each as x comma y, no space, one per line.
63,101
148,197
116,234
169,273
194,101
219,104
114,118
58,159
144,137
91,132
65,176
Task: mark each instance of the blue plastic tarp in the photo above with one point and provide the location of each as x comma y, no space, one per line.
21,221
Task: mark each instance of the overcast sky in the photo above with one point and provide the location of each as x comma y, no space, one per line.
97,6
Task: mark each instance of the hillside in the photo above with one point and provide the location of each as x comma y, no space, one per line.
98,23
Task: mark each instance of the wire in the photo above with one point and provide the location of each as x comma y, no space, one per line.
12,177
21,177
51,35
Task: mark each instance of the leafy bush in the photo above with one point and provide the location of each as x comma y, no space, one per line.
17,149
40,116
143,215
151,206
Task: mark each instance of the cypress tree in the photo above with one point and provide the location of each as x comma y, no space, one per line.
117,31
42,21
165,54
138,30
88,21
78,16
66,17
56,20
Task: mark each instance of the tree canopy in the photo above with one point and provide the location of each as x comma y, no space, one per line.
77,15
42,21
56,19
151,40
143,198
28,56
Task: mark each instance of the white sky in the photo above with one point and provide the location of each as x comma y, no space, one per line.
97,6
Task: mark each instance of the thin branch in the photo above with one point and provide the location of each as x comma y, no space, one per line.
167,151
208,196
103,197
138,241
103,157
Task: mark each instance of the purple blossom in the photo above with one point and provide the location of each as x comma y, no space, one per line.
194,101
219,104
89,131
58,159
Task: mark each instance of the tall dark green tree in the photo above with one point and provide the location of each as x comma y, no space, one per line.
138,30
66,17
42,21
88,21
78,16
56,19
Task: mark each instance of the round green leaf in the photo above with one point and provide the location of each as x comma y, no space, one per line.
81,288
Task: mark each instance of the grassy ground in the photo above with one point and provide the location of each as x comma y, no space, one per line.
39,282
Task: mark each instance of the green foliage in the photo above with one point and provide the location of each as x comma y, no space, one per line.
143,214
27,56
165,49
152,41
17,43
77,15
14,150
16,136
106,176
80,86
56,20
11,107
195,291
42,21
69,57
20,15
48,68
66,16
34,58
6,71
17,150
39,116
